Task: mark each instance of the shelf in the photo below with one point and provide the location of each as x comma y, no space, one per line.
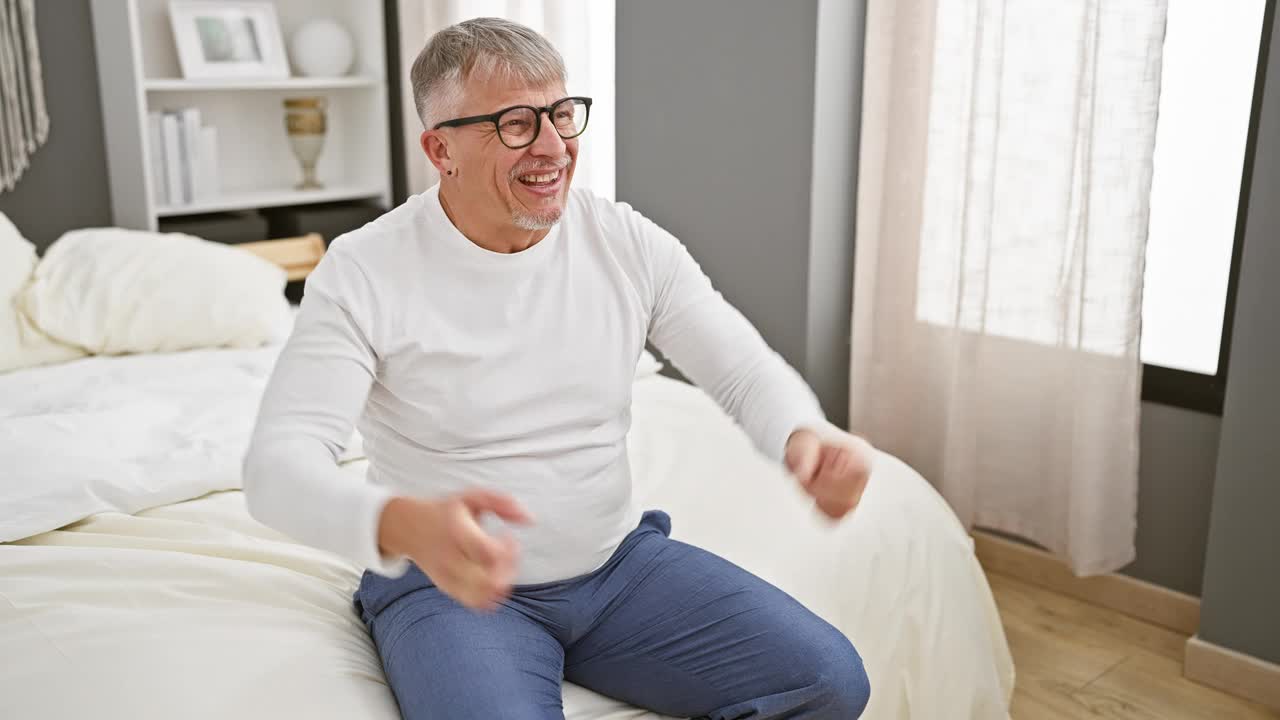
293,83
140,73
269,198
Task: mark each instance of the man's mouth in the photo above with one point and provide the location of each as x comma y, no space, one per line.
542,179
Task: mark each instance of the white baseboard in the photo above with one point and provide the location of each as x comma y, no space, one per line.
1232,672
1203,662
1137,598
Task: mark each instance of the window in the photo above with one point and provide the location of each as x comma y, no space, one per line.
1211,60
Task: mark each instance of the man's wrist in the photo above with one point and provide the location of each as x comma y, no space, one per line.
392,526
800,431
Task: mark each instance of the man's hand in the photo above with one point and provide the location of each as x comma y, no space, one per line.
444,538
833,470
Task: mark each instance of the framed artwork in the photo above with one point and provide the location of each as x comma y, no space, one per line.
223,40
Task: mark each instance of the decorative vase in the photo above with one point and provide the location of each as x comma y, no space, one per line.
304,119
322,48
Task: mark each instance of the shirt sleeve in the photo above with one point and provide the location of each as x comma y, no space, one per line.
716,347
316,392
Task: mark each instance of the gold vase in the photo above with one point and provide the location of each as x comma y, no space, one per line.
304,119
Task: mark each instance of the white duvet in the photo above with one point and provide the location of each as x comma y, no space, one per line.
191,609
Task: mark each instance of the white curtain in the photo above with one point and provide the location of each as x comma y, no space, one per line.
583,32
1004,181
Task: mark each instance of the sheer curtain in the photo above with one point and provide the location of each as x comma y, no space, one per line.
583,32
1003,198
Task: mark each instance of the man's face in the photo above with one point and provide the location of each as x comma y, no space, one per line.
527,187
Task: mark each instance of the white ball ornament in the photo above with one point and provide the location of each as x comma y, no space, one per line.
322,48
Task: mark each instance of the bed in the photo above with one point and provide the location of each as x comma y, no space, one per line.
181,605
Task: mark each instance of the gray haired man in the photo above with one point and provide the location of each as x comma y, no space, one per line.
484,336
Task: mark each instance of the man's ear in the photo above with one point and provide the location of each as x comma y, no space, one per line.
436,149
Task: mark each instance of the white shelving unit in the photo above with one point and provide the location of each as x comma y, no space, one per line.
270,198
160,85
138,72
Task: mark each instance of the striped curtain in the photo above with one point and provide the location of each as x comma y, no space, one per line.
24,120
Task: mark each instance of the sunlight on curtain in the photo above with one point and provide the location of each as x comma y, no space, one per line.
1004,183
1034,220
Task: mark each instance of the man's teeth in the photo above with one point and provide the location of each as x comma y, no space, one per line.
540,178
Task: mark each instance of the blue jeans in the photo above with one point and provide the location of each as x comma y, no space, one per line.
662,625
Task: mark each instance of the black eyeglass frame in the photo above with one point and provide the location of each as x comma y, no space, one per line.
537,111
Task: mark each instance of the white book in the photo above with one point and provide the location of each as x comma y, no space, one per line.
156,166
184,179
209,180
172,158
193,171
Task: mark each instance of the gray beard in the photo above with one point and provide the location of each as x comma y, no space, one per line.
528,221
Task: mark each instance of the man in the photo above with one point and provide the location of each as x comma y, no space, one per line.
485,335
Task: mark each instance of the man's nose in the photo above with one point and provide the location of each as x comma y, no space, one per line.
549,142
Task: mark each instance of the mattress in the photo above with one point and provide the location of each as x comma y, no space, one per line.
164,599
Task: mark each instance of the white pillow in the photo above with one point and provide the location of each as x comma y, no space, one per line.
22,345
115,291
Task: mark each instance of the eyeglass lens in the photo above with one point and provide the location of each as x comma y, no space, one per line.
518,126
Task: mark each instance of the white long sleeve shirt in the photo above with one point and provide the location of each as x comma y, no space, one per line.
467,368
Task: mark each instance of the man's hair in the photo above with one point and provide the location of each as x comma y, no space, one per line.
481,48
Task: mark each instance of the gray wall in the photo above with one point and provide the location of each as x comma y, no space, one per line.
1241,600
716,144
704,149
66,185
1179,451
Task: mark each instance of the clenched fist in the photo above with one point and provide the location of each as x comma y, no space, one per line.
444,538
833,470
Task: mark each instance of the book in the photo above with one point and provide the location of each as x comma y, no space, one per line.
209,161
173,158
192,170
156,164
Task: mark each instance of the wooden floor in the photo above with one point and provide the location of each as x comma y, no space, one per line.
1076,660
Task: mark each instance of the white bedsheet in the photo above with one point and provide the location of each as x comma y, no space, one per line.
123,433
192,609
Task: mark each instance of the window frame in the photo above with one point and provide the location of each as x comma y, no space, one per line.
1199,391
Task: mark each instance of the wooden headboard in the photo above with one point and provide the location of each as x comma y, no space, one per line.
297,255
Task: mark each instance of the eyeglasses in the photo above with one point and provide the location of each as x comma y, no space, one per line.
518,126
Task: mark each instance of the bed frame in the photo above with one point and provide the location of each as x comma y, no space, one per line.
297,255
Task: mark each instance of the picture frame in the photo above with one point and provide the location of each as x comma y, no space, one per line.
221,39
